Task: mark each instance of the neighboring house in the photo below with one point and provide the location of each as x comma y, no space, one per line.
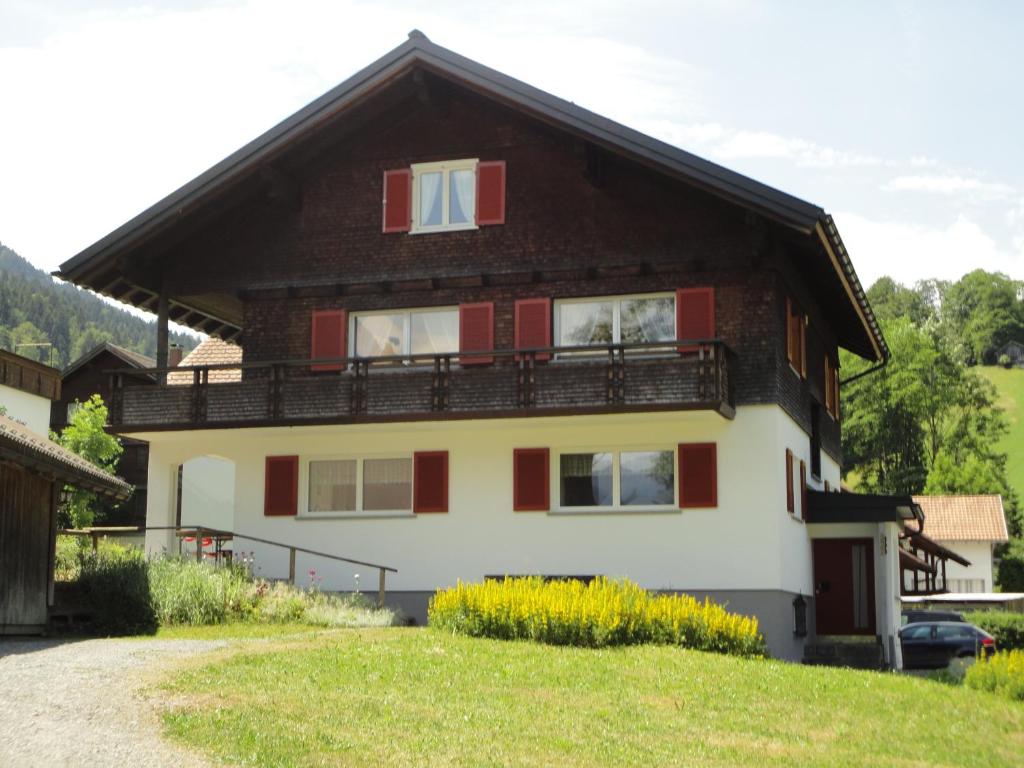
33,472
971,526
557,347
26,390
87,376
1013,350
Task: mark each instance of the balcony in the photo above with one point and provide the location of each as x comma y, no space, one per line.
470,385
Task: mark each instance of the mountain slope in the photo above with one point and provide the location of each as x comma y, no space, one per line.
36,309
1010,385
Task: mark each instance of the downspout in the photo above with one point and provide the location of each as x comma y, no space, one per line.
862,374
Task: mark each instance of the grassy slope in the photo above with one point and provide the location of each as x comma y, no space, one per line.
1010,384
418,697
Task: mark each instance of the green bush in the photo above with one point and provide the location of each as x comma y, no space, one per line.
1011,568
187,592
1006,627
115,584
1003,674
601,613
68,559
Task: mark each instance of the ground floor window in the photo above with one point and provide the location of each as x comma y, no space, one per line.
360,485
617,479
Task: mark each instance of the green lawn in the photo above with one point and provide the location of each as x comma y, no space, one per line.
400,697
1010,384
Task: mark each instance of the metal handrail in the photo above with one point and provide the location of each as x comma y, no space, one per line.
199,531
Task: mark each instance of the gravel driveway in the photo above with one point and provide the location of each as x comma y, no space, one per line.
78,703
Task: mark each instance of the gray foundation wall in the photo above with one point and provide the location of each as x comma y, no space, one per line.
772,608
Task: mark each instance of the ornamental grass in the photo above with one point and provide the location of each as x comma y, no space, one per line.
1002,673
600,613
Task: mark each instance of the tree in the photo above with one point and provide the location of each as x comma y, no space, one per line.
85,436
980,313
890,300
924,422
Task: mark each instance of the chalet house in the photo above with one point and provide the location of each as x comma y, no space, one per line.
971,526
485,331
89,375
1014,350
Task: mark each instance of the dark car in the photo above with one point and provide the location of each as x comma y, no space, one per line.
934,644
917,616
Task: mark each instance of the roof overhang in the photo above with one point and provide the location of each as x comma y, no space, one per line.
38,454
828,507
932,547
91,267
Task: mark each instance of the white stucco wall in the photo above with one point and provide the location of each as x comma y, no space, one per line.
208,492
31,410
980,555
748,542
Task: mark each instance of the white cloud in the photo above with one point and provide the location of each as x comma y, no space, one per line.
909,252
108,115
756,144
947,184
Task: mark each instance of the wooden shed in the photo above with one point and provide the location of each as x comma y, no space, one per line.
33,470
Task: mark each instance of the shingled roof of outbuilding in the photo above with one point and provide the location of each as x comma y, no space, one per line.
964,518
26,448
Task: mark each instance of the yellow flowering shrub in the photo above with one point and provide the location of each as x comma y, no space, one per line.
1002,673
599,613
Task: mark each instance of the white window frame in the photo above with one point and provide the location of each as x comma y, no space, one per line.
358,512
616,506
407,314
445,167
616,300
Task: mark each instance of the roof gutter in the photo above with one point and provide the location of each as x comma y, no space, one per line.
862,374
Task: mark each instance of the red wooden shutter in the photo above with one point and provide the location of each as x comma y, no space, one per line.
531,481
329,332
533,325
490,192
430,481
476,331
803,490
398,200
698,475
695,315
789,481
281,485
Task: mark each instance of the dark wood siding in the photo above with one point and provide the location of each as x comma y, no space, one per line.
27,521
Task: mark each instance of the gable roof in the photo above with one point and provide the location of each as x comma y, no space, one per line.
34,451
964,518
127,356
417,50
211,351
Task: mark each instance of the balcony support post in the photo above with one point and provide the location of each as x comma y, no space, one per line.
163,305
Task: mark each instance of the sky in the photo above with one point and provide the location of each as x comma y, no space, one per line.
902,119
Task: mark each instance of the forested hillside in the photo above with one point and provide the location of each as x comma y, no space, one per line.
34,308
930,421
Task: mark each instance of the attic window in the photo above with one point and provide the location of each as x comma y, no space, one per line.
444,196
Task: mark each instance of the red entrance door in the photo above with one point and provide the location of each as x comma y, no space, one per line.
844,586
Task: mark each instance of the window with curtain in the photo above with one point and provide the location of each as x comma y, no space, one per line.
615,320
617,479
406,332
444,195
332,486
359,485
387,484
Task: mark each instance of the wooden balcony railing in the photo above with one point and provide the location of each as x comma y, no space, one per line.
515,382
